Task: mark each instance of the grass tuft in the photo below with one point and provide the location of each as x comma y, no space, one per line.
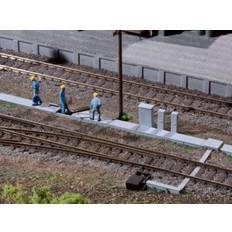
6,106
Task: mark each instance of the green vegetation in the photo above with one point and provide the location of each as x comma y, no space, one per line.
15,194
72,198
6,106
125,117
40,195
229,157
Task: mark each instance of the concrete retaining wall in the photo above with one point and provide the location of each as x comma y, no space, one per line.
67,54
130,69
150,74
86,60
195,83
25,47
218,88
107,64
102,63
46,51
172,79
7,43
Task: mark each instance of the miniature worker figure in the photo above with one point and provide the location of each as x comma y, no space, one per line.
36,100
63,103
95,106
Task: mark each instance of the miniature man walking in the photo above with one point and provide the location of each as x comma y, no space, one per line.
63,103
36,100
95,106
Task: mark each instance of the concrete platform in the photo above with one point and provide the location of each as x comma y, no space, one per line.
214,144
161,187
186,139
212,63
81,116
227,149
121,125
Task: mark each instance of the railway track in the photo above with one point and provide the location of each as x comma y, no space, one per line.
18,132
107,84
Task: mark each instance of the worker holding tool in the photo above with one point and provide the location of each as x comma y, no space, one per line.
36,100
63,102
95,106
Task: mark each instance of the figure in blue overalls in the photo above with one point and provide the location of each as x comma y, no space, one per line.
95,106
63,103
36,100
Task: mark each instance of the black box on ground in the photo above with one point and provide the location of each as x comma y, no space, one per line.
138,181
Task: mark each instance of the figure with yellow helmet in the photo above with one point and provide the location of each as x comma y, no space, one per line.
63,102
36,100
95,106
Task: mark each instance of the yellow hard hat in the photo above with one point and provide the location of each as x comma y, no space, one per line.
62,87
32,77
95,94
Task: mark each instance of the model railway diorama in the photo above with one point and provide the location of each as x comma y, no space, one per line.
146,115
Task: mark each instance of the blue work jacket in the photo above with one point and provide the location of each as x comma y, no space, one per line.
36,85
95,103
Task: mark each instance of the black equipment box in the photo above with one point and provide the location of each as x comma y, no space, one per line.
138,181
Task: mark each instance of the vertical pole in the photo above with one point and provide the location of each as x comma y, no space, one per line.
120,73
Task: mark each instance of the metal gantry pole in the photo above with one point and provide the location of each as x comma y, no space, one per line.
120,73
